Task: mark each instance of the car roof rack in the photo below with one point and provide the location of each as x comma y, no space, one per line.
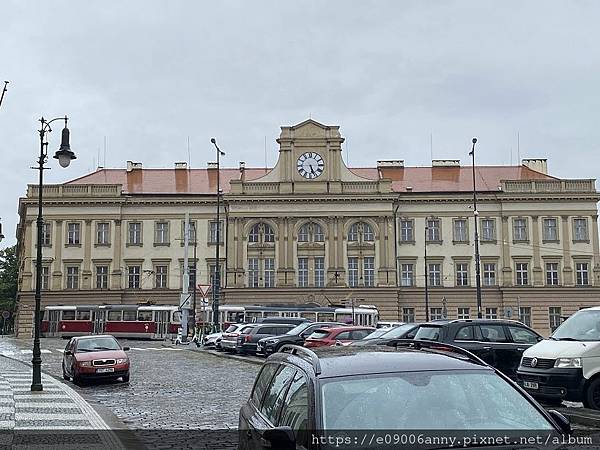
436,346
304,353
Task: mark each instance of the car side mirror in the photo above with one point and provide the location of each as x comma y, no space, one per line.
563,422
280,438
68,352
126,349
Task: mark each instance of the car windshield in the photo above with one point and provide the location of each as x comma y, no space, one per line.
299,329
231,328
377,333
448,400
398,332
584,325
319,334
426,333
97,344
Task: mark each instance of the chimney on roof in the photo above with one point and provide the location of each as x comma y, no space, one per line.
181,165
133,165
445,163
387,163
537,164
211,166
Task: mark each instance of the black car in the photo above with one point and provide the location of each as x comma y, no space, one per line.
500,343
335,391
246,342
405,331
290,320
295,336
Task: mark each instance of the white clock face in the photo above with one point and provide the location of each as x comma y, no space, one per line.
310,165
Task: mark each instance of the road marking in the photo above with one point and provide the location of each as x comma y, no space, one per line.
27,351
7,353
44,350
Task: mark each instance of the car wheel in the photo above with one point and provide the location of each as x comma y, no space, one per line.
76,377
126,378
65,376
591,398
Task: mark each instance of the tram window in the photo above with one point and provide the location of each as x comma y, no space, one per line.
325,317
176,316
83,315
271,314
251,316
308,315
114,316
129,316
344,318
68,315
145,316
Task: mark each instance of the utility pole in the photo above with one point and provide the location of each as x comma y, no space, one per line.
3,91
216,288
426,281
195,278
476,217
186,280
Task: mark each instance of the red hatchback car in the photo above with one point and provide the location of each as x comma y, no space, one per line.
337,336
95,357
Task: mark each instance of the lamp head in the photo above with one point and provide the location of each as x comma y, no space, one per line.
1,235
474,140
64,153
213,140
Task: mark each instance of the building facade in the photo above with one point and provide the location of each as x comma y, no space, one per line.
313,230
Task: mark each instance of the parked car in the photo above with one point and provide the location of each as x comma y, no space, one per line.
382,336
214,339
298,392
229,339
498,342
566,366
292,320
386,324
295,336
95,357
337,335
247,341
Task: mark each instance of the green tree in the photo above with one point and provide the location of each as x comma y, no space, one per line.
9,272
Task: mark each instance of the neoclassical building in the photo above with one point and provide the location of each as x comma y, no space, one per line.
312,229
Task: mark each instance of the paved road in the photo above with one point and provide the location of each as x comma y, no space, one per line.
170,389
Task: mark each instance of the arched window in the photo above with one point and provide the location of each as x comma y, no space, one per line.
311,232
261,230
361,231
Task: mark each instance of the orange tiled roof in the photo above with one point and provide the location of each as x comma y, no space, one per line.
204,181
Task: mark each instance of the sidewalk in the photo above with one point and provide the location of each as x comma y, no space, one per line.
56,417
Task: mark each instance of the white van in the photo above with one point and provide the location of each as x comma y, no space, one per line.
566,366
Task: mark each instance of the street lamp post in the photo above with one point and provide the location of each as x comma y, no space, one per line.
216,288
476,217
64,156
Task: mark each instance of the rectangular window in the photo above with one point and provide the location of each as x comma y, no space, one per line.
525,315
161,276
436,313
46,234
213,232
581,274
73,231
161,233
462,274
45,278
102,236
135,233
488,230
269,272
522,272
133,276
192,232
320,271
460,230
406,231
408,315
491,313
407,275
552,274
555,316
253,272
550,230
353,272
435,274
520,229
433,230
463,313
369,269
580,230
101,277
302,272
489,274
72,277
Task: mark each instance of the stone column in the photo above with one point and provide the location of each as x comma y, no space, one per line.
595,247
567,271
507,271
28,283
538,271
116,276
86,274
57,274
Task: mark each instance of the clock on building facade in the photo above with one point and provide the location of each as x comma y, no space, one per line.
310,165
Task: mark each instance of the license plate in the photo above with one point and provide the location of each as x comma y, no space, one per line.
105,370
259,347
530,385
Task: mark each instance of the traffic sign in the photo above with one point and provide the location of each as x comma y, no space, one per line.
185,301
204,290
5,314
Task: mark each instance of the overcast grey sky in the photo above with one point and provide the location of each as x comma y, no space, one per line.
149,74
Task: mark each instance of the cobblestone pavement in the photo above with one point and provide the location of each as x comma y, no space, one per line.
170,389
